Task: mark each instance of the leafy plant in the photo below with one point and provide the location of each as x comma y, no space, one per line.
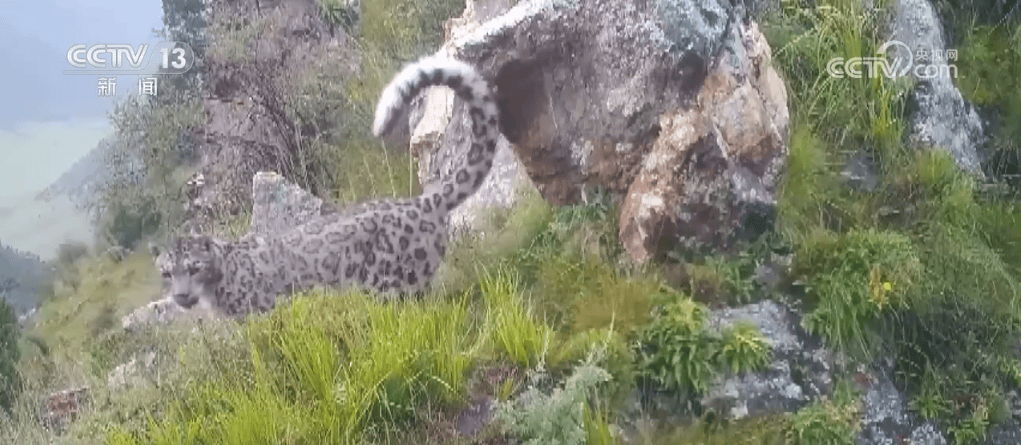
678,353
675,350
973,429
743,348
823,423
930,402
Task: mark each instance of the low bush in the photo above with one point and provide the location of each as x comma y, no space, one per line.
677,352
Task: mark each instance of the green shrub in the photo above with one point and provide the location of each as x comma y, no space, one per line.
678,353
563,417
744,349
823,423
864,274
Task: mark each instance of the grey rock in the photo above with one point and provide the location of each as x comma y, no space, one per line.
860,172
1006,433
800,369
278,205
886,419
942,118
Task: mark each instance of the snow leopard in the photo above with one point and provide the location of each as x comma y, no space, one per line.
389,247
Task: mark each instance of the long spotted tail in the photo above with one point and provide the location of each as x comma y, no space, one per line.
480,98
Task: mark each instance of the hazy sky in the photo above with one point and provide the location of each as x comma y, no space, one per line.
49,120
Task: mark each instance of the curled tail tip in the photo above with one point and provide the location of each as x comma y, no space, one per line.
409,81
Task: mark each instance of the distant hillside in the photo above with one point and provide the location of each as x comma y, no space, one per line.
85,178
28,270
56,215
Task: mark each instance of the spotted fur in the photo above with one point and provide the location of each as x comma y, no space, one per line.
390,246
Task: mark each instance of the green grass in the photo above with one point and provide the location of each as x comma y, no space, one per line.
92,299
516,333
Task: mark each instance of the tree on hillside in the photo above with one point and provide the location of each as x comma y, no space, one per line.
155,135
10,381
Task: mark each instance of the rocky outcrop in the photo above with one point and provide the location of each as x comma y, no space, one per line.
250,73
799,372
63,407
160,312
941,118
710,178
885,415
670,105
278,204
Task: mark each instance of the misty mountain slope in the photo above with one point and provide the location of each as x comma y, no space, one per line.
82,182
28,270
58,214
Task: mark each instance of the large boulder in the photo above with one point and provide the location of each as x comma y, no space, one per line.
711,176
669,104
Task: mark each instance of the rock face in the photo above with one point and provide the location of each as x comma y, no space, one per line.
886,418
801,369
278,204
62,407
941,117
670,104
247,127
160,312
711,175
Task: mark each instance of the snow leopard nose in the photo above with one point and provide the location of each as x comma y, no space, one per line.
185,300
